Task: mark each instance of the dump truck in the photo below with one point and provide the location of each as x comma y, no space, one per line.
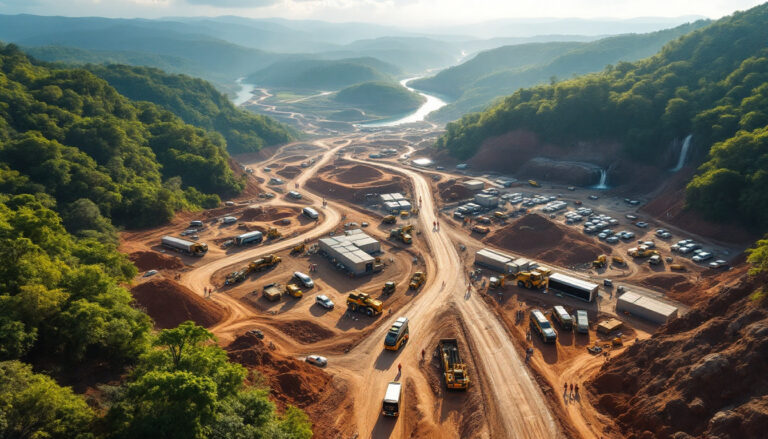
264,263
454,370
480,229
389,219
272,292
417,280
600,262
402,233
184,246
532,279
389,288
293,290
362,302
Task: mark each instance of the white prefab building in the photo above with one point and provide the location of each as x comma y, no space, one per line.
486,200
492,259
395,196
645,307
397,206
352,250
473,185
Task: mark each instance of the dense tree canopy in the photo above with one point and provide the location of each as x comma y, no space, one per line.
712,82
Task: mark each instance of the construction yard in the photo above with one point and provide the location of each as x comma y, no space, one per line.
373,219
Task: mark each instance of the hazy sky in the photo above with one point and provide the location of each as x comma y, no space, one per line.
399,12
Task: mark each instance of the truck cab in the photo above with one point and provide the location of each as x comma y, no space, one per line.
392,398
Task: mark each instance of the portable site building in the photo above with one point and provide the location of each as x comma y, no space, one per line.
645,307
397,206
578,288
473,185
352,250
394,196
492,259
487,200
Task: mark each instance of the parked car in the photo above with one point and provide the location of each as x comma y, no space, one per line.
317,360
612,239
324,301
593,197
304,279
641,224
685,250
718,264
649,244
701,257
150,273
629,216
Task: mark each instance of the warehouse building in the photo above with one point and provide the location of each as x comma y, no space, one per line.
395,196
645,307
352,250
395,207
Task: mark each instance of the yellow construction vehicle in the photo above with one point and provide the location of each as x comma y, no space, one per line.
405,214
264,263
534,183
497,282
273,233
299,249
236,277
378,265
677,267
480,229
415,211
454,370
600,262
362,302
499,215
389,288
618,260
641,252
532,279
402,233
293,290
389,219
417,280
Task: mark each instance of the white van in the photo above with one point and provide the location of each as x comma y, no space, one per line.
310,212
582,322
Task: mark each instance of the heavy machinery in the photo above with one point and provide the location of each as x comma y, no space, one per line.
534,183
655,259
264,263
389,219
677,267
273,233
618,260
188,247
362,302
497,282
454,370
272,292
402,233
641,252
405,214
480,229
417,280
415,211
600,262
499,215
236,277
389,288
299,249
293,290
533,279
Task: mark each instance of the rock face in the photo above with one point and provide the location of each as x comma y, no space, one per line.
703,375
565,172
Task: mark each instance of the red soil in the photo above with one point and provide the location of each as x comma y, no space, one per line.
452,191
304,331
289,172
262,213
358,174
535,236
170,304
149,260
353,194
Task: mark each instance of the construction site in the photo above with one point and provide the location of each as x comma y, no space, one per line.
365,263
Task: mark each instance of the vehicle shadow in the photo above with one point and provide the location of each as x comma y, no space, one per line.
318,311
386,358
548,351
384,427
353,320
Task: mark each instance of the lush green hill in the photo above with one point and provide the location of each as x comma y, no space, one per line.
713,83
68,134
498,72
316,74
198,103
382,98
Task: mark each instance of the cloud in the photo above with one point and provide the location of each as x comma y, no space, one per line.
234,3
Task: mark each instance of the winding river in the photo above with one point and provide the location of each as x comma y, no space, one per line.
432,103
244,94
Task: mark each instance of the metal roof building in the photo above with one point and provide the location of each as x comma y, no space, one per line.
395,196
351,250
645,307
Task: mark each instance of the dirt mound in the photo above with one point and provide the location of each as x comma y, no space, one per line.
149,260
358,174
294,158
304,331
664,281
170,304
289,172
262,213
323,397
701,375
452,191
351,194
535,236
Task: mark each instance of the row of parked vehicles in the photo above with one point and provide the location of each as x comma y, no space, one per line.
543,328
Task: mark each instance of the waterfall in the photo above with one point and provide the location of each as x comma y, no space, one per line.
603,179
683,153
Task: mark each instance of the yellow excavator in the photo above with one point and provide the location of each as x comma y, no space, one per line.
273,233
389,219
600,262
402,233
299,249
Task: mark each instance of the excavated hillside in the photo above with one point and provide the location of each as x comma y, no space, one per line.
700,376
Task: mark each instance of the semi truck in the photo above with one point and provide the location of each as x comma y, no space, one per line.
578,288
184,246
454,370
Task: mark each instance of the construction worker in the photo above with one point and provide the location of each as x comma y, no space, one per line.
422,354
571,388
399,367
577,389
565,388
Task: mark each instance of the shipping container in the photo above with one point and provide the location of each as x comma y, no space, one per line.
184,246
492,259
645,307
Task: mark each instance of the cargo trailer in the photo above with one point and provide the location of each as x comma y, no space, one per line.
492,259
184,246
571,286
645,307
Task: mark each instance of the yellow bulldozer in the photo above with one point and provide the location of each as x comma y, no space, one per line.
600,262
417,280
497,282
299,249
362,302
273,233
402,233
618,260
537,279
264,263
389,219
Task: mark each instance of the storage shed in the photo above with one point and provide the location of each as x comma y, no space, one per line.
492,259
487,200
645,307
473,185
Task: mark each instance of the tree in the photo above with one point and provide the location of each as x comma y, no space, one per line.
178,340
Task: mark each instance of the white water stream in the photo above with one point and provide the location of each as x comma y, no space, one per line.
683,153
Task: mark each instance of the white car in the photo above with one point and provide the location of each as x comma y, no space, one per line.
629,216
718,264
612,239
641,224
701,257
317,360
150,273
324,301
304,279
649,244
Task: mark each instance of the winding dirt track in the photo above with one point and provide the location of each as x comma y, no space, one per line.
519,408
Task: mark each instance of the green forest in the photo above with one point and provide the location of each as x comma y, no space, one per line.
314,74
380,97
76,157
711,83
197,103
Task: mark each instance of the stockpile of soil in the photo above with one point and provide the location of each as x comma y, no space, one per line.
294,158
358,174
297,383
452,191
541,239
170,303
262,213
149,260
289,172
665,281
354,194
701,375
304,331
